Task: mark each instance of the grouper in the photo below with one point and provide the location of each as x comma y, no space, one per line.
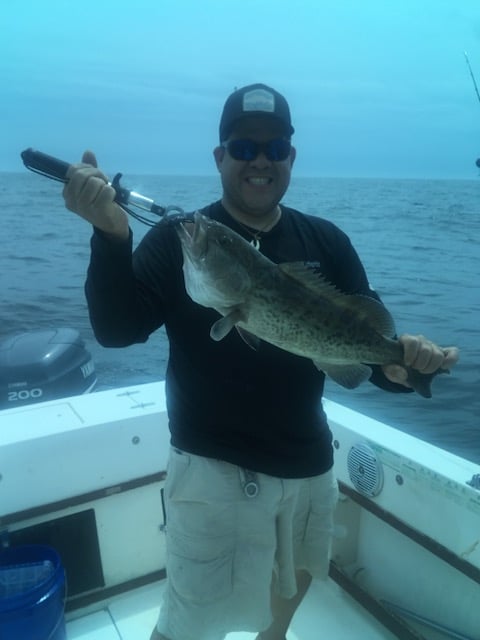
290,306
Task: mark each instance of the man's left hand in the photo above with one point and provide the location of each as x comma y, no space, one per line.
423,355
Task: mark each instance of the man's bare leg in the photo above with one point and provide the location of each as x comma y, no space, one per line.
283,610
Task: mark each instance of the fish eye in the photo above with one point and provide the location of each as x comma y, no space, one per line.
223,239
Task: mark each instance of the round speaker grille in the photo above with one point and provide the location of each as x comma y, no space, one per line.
366,472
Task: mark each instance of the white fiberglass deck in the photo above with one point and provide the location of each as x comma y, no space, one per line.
132,616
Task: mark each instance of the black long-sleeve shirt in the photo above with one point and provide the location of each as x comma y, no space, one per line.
260,409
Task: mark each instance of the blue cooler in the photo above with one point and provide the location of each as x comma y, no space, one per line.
32,594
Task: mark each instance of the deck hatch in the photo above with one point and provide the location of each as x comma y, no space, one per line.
76,540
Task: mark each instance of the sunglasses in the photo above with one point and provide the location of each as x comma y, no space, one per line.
247,150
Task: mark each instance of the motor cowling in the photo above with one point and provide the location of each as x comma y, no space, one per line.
44,364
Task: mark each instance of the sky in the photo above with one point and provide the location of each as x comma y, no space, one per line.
377,88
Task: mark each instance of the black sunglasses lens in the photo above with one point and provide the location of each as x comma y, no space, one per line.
278,150
247,150
244,150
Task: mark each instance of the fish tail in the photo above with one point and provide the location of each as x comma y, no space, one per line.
422,382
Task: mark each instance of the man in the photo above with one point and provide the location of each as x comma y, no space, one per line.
250,490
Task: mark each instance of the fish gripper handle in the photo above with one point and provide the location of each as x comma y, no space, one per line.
44,164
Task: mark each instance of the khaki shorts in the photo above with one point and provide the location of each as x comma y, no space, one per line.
223,546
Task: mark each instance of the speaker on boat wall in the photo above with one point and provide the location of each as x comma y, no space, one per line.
365,470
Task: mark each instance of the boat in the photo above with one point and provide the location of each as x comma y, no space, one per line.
84,474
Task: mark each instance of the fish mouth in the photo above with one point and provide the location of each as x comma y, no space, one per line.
193,236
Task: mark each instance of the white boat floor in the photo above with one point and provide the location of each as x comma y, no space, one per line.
326,606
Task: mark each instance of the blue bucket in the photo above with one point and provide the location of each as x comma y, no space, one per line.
32,594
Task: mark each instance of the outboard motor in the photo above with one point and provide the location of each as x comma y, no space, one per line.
44,365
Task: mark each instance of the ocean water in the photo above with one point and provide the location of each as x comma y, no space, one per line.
418,239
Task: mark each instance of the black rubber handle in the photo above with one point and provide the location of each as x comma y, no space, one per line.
45,164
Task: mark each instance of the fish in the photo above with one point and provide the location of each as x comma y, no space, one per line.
290,306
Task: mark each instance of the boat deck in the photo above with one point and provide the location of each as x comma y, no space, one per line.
132,616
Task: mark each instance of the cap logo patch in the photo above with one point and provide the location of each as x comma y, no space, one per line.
259,100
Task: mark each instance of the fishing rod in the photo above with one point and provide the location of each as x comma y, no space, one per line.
472,76
477,162
56,169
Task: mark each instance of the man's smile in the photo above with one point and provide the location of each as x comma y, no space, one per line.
259,181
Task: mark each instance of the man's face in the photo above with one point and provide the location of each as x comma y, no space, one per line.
254,187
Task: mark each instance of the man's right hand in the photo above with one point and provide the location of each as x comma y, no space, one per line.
88,194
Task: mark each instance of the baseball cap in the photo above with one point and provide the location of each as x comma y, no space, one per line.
254,100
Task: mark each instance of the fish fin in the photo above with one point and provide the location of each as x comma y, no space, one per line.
249,338
421,382
309,278
364,307
346,375
222,327
373,312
